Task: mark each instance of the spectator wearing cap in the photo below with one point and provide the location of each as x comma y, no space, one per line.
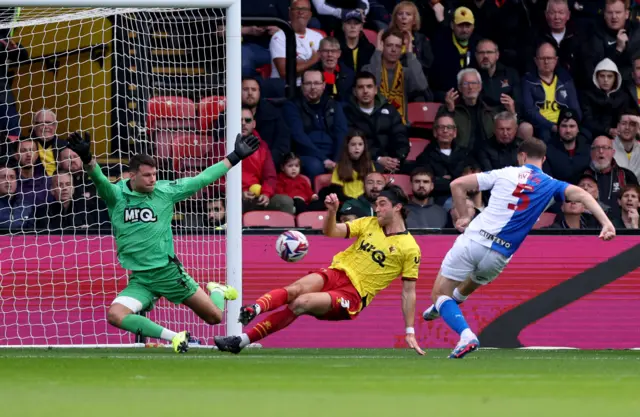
453,49
473,118
501,89
574,216
628,202
307,42
338,78
422,210
546,91
328,12
406,19
398,83
589,183
364,205
568,152
603,102
501,149
356,48
610,177
625,144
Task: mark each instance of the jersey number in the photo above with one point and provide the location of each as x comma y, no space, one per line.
523,202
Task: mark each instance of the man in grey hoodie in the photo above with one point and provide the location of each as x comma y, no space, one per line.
603,104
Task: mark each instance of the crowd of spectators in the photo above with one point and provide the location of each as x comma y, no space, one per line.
567,72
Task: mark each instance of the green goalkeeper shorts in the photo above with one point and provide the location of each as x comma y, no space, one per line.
146,287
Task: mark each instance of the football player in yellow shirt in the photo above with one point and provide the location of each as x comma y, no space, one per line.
384,250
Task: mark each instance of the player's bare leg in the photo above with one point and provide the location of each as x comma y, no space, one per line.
123,317
448,308
201,304
275,299
459,295
315,304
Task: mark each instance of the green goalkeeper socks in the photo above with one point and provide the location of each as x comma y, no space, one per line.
218,298
137,324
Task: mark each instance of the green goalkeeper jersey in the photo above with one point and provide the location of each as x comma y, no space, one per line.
142,221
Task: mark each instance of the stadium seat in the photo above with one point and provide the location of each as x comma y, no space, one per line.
422,114
170,112
417,146
264,71
268,219
403,181
209,109
371,35
321,181
545,220
312,219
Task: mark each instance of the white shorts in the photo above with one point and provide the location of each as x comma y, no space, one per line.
468,258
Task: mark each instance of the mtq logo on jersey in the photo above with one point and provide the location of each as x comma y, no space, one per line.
144,215
377,255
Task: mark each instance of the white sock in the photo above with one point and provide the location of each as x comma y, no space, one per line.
257,308
245,340
167,334
458,297
467,335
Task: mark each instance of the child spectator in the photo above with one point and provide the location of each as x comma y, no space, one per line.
296,186
353,166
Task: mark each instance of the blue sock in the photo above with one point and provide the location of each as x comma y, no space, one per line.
451,314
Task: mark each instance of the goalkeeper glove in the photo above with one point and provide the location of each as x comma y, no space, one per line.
80,143
245,146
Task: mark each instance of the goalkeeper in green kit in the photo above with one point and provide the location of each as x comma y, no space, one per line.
141,210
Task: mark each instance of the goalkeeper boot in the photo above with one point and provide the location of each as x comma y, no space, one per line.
464,347
180,342
228,343
430,313
228,291
247,313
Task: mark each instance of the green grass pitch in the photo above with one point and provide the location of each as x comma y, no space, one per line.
310,383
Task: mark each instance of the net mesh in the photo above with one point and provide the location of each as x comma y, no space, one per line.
137,80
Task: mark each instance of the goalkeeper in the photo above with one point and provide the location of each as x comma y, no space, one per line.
141,210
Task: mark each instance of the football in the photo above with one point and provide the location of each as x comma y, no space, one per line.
292,246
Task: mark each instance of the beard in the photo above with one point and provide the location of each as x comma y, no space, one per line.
570,140
420,195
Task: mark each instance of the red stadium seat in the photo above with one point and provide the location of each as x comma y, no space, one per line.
264,71
545,220
209,109
268,219
170,112
312,219
422,114
372,36
417,146
321,181
403,181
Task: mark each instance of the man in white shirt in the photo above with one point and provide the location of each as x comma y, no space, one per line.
625,145
307,42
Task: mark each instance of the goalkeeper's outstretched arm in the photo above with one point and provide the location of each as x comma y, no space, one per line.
186,187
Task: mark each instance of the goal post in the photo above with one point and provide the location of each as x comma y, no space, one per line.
54,284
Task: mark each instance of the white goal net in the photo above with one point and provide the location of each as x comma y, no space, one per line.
137,80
